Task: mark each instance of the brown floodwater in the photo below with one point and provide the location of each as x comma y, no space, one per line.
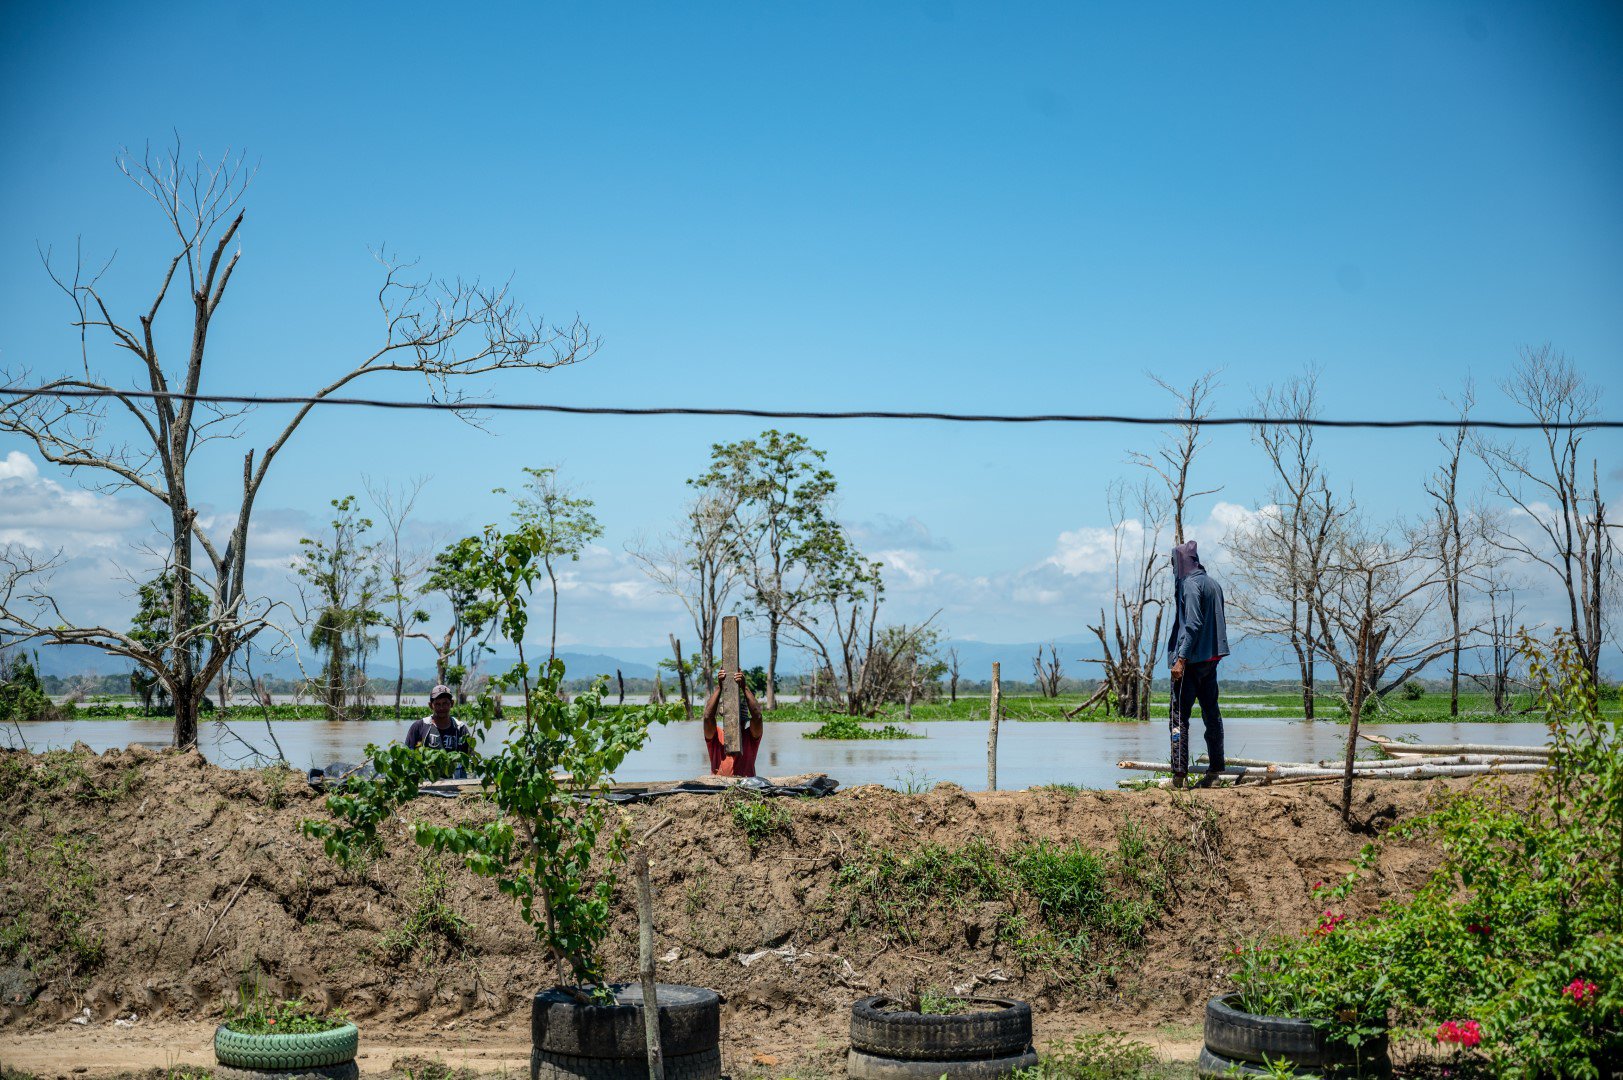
1029,753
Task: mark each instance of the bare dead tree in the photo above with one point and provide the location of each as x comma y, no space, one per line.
1284,549
952,673
1449,530
1137,521
700,564
438,329
1173,460
1048,672
1379,592
1500,652
403,567
1557,491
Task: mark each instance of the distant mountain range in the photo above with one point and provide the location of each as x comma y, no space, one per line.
975,660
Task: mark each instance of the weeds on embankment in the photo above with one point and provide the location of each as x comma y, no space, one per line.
1057,903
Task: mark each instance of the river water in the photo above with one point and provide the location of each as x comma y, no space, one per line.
1029,753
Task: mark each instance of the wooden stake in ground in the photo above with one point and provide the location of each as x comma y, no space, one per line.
729,689
645,965
682,677
991,731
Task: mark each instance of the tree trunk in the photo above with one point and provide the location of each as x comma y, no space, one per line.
772,663
682,678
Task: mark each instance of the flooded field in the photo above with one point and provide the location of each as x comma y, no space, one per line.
1029,754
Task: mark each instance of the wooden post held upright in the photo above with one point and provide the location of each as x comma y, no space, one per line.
730,705
991,731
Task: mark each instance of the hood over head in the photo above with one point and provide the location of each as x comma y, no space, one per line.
1185,561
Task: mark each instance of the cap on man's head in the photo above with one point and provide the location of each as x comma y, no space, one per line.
440,691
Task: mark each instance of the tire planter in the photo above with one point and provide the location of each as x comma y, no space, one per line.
1242,1043
608,1042
991,1042
317,1055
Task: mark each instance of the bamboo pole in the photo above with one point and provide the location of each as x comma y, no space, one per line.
1390,763
991,731
1392,746
1400,772
645,964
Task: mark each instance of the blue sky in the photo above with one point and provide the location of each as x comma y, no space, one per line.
936,205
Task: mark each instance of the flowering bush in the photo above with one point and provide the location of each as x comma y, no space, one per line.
1519,928
1463,1033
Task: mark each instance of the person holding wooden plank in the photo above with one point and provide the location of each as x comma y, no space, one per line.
742,761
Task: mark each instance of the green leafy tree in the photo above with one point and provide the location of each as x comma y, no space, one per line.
22,695
154,628
783,495
539,848
455,575
565,524
343,572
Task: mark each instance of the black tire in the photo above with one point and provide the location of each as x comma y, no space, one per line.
1249,1038
689,1023
548,1066
1000,1031
1216,1067
863,1066
347,1071
315,1048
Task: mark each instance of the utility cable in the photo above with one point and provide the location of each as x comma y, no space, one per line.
813,414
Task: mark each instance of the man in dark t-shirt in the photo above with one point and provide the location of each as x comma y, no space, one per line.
440,730
715,737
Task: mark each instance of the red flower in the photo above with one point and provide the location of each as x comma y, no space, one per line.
1329,922
1580,991
1463,1033
1478,928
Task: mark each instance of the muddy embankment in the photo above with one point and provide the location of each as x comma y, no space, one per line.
147,883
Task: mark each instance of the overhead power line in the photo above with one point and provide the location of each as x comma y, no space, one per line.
803,414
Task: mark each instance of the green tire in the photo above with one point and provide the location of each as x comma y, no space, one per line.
333,1047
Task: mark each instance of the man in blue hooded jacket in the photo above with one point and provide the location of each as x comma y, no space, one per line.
1199,640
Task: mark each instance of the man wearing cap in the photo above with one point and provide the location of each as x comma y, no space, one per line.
715,736
440,730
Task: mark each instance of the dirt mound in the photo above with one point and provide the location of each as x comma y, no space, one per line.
151,883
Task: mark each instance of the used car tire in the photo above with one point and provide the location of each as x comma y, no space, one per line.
1249,1038
1216,1067
347,1071
864,1066
545,1065
689,1023
315,1048
997,1032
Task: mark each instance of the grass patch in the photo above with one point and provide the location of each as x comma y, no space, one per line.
48,894
1106,1056
757,818
431,917
849,727
1060,903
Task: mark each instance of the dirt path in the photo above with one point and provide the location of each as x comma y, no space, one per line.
69,1051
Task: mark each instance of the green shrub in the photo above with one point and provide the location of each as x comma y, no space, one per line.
849,727
757,818
1519,929
1412,691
